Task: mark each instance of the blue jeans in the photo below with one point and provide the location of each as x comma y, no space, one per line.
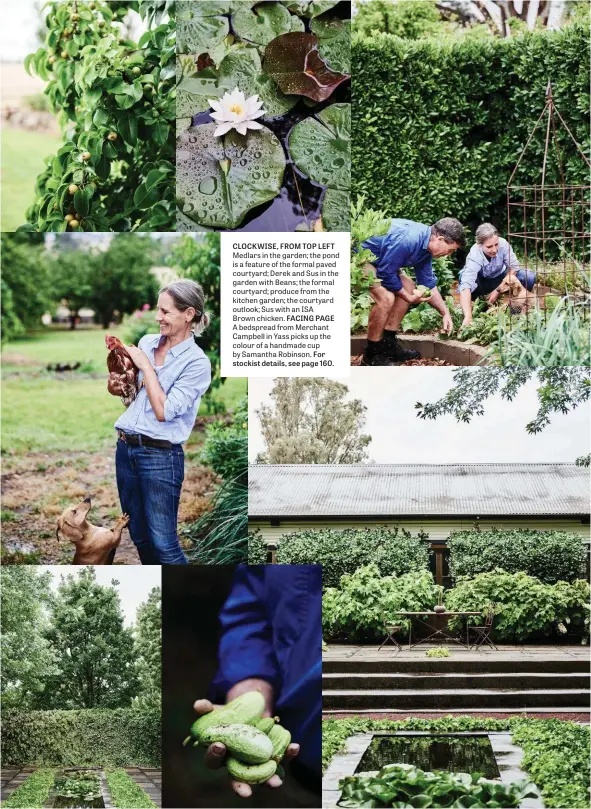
149,480
484,285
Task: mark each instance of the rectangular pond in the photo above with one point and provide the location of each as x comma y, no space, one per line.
445,752
77,789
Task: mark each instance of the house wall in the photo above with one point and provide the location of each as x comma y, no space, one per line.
437,529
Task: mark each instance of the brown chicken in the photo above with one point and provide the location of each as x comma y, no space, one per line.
123,373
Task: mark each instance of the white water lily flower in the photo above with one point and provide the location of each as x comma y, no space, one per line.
235,111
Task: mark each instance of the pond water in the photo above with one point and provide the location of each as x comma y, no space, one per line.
76,789
451,753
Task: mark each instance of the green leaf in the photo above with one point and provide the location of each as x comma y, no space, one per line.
197,30
81,203
264,22
27,63
103,168
321,147
242,69
100,117
335,210
161,131
220,179
92,96
334,45
128,129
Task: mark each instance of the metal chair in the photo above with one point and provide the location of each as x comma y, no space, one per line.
483,633
391,629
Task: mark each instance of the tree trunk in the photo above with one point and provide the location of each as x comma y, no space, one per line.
73,318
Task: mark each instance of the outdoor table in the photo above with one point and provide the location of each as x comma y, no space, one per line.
416,616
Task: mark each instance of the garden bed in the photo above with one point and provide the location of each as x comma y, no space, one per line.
431,347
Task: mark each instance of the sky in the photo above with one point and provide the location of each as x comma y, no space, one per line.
135,582
399,436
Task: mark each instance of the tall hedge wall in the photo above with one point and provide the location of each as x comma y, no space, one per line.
550,556
394,550
114,738
438,127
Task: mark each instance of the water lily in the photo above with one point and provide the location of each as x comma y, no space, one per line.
235,111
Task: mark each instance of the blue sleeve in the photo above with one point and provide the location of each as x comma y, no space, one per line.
424,273
191,385
246,645
469,274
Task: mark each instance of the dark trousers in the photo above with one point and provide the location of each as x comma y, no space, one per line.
484,285
149,481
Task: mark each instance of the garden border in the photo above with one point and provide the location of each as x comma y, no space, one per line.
431,347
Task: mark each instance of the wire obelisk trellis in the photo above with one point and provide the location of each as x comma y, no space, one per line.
548,221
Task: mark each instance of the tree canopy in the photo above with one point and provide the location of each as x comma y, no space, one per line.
311,421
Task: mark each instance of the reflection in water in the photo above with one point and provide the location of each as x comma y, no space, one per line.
451,753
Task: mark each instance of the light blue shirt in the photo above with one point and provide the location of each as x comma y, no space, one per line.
404,245
477,262
184,377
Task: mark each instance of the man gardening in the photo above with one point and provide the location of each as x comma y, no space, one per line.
487,264
406,244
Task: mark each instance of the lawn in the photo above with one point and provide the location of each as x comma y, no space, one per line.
22,161
45,411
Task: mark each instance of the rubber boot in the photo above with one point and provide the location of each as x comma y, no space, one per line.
393,349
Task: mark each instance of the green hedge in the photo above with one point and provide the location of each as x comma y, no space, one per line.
115,738
550,556
126,793
394,550
438,127
556,752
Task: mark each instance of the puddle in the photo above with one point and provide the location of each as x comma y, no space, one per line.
449,753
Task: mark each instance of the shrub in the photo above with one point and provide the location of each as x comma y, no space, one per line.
394,550
438,126
357,610
116,738
226,444
33,792
115,100
526,606
126,793
557,758
550,556
138,325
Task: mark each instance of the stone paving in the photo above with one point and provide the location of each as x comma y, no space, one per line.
12,778
150,780
505,652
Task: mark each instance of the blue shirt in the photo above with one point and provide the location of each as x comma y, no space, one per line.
272,629
404,245
478,263
184,377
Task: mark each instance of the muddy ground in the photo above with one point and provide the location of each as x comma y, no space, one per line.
37,487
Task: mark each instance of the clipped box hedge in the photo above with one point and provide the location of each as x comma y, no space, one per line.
394,550
113,738
550,556
438,126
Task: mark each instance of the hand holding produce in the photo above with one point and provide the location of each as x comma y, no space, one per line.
238,736
425,291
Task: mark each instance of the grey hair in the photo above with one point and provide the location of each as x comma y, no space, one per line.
186,293
485,231
451,230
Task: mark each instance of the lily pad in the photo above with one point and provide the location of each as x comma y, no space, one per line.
264,22
309,8
219,180
334,44
194,90
294,62
336,210
321,146
242,69
200,26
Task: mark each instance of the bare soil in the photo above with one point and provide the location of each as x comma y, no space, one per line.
357,361
36,488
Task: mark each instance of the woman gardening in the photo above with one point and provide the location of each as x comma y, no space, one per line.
174,373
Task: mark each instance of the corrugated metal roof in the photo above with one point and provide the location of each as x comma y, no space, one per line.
316,490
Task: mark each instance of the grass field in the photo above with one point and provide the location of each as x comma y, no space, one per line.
22,160
44,411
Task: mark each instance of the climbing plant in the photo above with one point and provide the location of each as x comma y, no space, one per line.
115,101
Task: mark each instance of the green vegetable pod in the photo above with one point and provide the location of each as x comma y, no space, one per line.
251,773
244,742
265,724
281,739
425,291
244,710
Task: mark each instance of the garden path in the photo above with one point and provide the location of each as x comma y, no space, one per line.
148,779
12,778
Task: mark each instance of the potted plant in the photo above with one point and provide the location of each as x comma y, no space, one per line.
439,607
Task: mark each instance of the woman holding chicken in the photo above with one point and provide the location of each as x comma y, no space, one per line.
173,374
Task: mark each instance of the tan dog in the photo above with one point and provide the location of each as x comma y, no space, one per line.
520,298
94,545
